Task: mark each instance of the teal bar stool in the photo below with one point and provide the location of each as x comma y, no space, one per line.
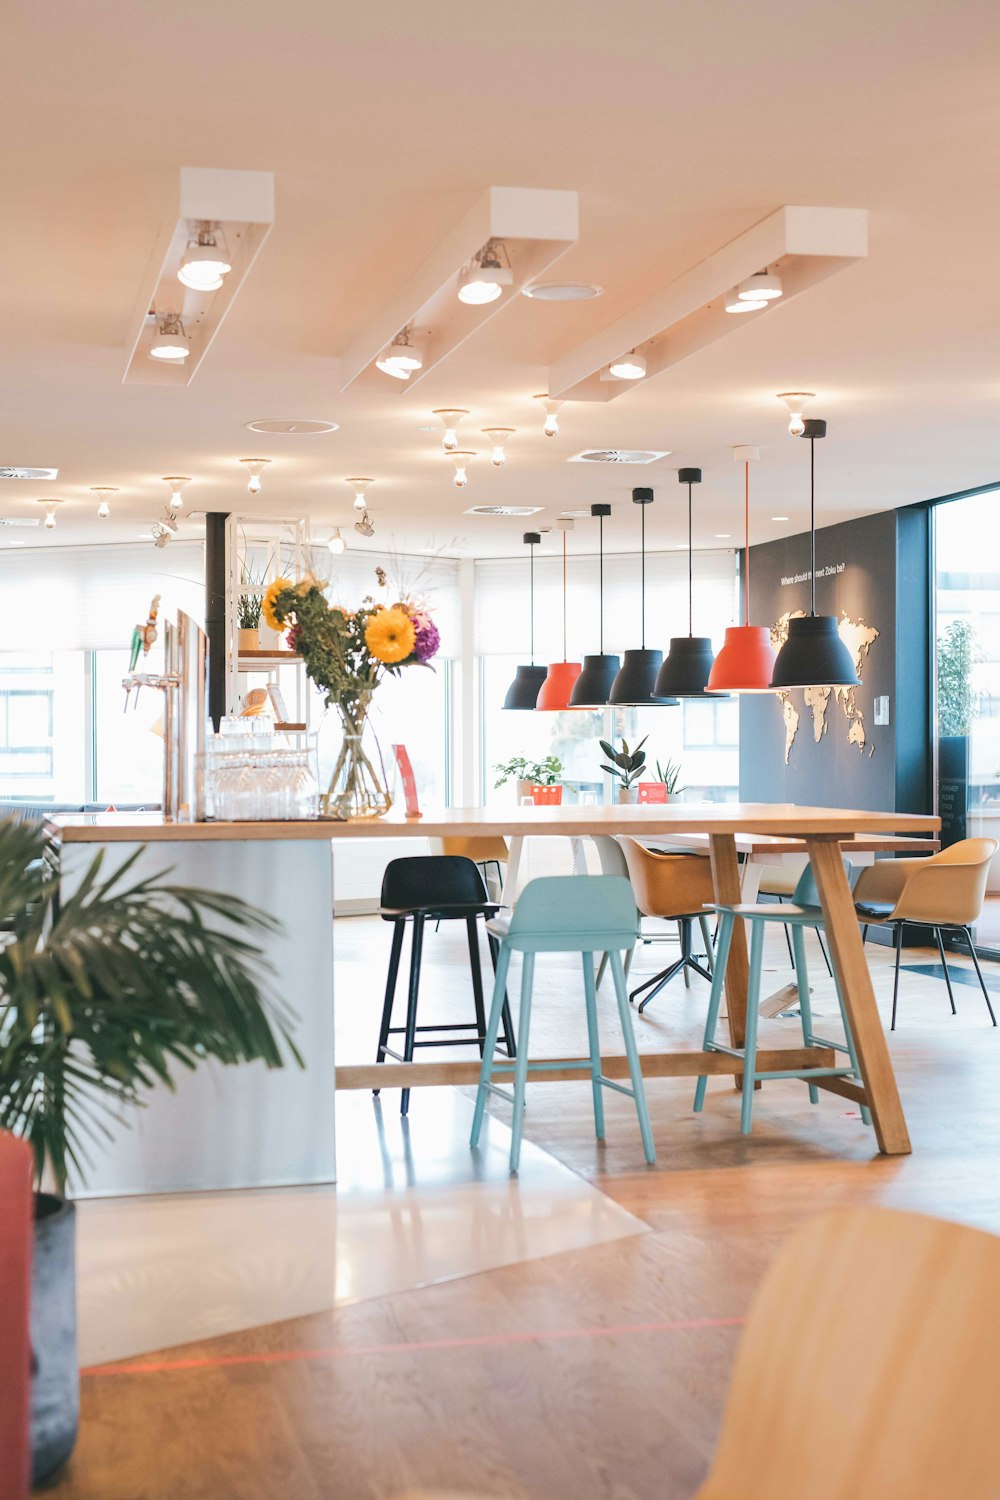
583,914
804,911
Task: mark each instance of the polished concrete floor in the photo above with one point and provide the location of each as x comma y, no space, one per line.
599,1371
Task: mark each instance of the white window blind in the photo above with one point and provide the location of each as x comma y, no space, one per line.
502,602
432,581
90,598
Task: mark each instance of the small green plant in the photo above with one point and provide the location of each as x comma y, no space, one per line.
626,765
957,653
542,772
670,775
249,612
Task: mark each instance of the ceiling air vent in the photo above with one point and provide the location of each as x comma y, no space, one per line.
8,472
504,510
20,520
618,456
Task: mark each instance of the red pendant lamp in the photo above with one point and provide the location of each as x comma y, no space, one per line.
553,695
746,662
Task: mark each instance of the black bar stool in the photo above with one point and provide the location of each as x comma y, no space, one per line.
436,888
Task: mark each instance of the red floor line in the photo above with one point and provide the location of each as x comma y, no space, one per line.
292,1356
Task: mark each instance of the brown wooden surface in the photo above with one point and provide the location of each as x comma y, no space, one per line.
599,1374
654,1065
850,963
534,822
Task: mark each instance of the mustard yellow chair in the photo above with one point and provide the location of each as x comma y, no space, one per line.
866,1370
944,892
678,887
487,850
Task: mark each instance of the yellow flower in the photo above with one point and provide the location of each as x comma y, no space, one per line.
267,603
389,635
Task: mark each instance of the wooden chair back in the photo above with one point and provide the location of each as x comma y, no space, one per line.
866,1368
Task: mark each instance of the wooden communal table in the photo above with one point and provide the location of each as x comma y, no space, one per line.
817,831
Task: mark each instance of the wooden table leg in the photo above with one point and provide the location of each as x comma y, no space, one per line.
859,997
726,878
509,892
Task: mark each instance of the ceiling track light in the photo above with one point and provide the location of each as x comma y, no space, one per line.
449,417
761,287
51,506
498,437
169,341
337,543
364,527
360,487
176,483
461,458
206,259
737,303
404,355
796,401
551,408
487,276
254,467
629,366
103,491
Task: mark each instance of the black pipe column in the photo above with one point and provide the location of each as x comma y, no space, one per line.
215,612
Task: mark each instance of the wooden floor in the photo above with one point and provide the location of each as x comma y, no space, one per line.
595,1374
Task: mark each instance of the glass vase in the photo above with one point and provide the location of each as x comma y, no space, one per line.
357,784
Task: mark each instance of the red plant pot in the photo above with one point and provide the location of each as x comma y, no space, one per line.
546,796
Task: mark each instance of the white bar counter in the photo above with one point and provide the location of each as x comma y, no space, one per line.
249,1126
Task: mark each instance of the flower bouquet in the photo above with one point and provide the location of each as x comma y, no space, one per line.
347,654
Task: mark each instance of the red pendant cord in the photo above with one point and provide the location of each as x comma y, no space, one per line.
746,553
565,658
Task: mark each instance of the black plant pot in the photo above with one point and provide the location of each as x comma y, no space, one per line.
55,1385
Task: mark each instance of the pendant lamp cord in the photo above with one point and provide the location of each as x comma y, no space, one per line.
531,556
690,564
601,582
564,630
746,550
812,522
642,518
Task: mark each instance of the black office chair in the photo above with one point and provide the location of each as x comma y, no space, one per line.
436,888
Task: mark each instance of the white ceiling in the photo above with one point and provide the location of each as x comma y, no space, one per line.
679,124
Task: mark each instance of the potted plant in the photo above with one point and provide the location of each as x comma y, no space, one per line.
537,779
626,767
957,653
103,993
248,616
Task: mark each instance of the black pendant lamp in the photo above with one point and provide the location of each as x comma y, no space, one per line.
689,660
635,683
523,691
813,654
592,688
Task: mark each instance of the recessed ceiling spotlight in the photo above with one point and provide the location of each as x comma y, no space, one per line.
779,518
176,483
254,467
796,401
498,437
103,491
486,278
8,471
504,510
51,506
461,458
735,303
761,287
336,543
551,408
449,417
563,291
359,486
13,544
629,366
404,355
291,426
723,536
205,260
169,342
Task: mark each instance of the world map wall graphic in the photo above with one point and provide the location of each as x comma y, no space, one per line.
859,638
